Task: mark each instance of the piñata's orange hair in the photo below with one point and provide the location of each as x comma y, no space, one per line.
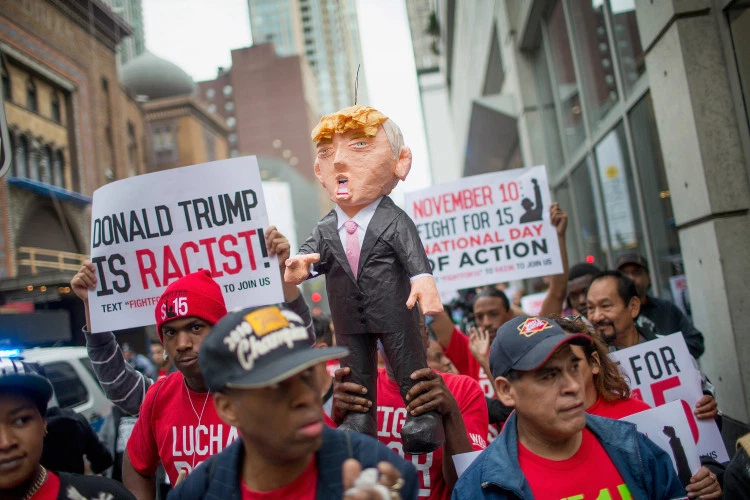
351,118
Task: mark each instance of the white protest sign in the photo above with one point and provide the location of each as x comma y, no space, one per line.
487,228
680,297
532,304
660,371
147,231
668,427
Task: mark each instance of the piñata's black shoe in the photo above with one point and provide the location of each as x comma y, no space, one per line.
423,434
364,423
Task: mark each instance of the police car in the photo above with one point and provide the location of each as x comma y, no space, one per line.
69,369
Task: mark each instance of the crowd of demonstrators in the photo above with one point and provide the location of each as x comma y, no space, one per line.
665,317
457,398
549,445
24,396
272,397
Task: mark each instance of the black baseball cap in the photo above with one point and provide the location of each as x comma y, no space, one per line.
19,377
635,259
526,343
258,347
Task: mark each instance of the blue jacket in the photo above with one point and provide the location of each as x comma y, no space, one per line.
645,468
218,478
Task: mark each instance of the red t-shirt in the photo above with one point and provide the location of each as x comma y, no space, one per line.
49,489
302,488
332,365
392,414
169,431
162,373
589,473
459,353
617,409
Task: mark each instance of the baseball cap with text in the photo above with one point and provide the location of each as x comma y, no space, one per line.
194,295
258,347
526,343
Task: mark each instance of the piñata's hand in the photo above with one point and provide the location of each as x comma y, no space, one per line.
298,267
424,290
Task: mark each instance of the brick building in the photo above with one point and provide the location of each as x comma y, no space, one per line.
72,128
269,104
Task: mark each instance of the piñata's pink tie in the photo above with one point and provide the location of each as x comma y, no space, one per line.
352,245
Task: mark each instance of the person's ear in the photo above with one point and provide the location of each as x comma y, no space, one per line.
635,307
403,164
226,409
320,345
596,364
505,392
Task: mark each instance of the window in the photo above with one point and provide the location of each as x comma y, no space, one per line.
21,157
593,239
165,147
234,153
232,138
551,143
132,151
69,388
596,65
618,193
31,98
229,106
55,107
210,143
46,165
662,231
231,122
58,166
566,86
227,90
210,94
33,160
630,54
562,195
212,108
7,89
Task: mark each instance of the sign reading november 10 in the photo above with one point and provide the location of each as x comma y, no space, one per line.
487,228
148,231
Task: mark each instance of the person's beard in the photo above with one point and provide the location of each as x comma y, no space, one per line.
607,335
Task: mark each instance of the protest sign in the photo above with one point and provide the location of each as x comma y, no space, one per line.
680,295
668,427
487,228
532,304
660,371
147,231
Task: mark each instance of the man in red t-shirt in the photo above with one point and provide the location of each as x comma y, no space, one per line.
457,398
549,446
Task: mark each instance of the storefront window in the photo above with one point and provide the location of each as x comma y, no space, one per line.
591,229
627,41
552,144
739,26
563,196
618,193
594,52
565,80
665,243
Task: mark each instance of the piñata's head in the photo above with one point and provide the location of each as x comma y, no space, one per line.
361,156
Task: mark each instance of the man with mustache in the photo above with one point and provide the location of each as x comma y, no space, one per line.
549,445
613,306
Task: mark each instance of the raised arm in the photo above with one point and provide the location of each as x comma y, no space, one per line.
121,383
558,286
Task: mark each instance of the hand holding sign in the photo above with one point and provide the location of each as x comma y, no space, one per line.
706,408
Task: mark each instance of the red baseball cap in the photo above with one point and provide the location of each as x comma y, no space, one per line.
194,295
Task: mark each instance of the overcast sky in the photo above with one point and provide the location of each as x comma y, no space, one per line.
198,35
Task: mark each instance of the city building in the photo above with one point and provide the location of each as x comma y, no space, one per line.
269,104
72,129
181,129
445,163
131,11
639,110
325,33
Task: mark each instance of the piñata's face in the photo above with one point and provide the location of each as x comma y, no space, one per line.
356,169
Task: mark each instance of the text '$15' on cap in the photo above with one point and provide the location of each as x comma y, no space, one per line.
526,343
258,347
194,295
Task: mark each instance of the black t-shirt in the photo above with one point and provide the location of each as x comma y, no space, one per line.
69,438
